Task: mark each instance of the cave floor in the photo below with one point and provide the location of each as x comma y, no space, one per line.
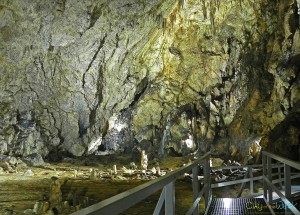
94,179
89,177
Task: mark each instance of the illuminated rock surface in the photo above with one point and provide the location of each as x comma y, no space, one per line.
84,77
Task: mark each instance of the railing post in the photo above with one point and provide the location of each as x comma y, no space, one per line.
270,191
287,185
206,170
251,182
264,163
195,188
279,176
170,198
243,184
287,181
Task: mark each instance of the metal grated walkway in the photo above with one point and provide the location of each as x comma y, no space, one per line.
238,206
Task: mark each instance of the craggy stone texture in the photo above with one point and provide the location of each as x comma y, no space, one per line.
67,67
232,68
185,76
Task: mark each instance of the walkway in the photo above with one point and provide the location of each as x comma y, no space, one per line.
272,181
238,206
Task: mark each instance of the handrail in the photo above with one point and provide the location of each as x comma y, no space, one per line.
238,181
243,181
237,167
251,179
267,179
283,197
125,200
284,160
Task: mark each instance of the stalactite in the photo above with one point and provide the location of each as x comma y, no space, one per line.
194,126
217,3
204,9
159,20
297,3
181,2
212,11
164,23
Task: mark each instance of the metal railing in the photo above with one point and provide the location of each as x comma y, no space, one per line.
119,203
127,199
248,177
269,187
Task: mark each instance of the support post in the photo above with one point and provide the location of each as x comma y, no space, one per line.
264,163
251,182
279,176
270,191
195,188
206,170
243,184
287,181
170,198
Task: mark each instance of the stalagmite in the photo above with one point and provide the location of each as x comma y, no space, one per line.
93,173
158,171
144,160
115,172
55,195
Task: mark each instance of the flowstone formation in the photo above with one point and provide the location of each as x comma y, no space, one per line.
167,77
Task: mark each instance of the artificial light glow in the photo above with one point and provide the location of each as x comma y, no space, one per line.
189,143
114,123
94,145
227,202
119,126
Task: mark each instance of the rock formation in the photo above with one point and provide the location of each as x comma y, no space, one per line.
55,195
79,77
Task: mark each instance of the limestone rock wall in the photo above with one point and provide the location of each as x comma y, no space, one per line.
68,66
185,76
231,68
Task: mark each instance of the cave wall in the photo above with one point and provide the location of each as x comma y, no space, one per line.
83,77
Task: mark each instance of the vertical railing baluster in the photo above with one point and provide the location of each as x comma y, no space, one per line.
287,185
269,170
251,182
206,170
170,198
264,163
243,184
287,181
195,188
279,176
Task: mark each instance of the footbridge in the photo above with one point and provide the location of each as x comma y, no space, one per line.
279,194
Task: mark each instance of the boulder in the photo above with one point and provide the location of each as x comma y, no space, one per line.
34,160
28,212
